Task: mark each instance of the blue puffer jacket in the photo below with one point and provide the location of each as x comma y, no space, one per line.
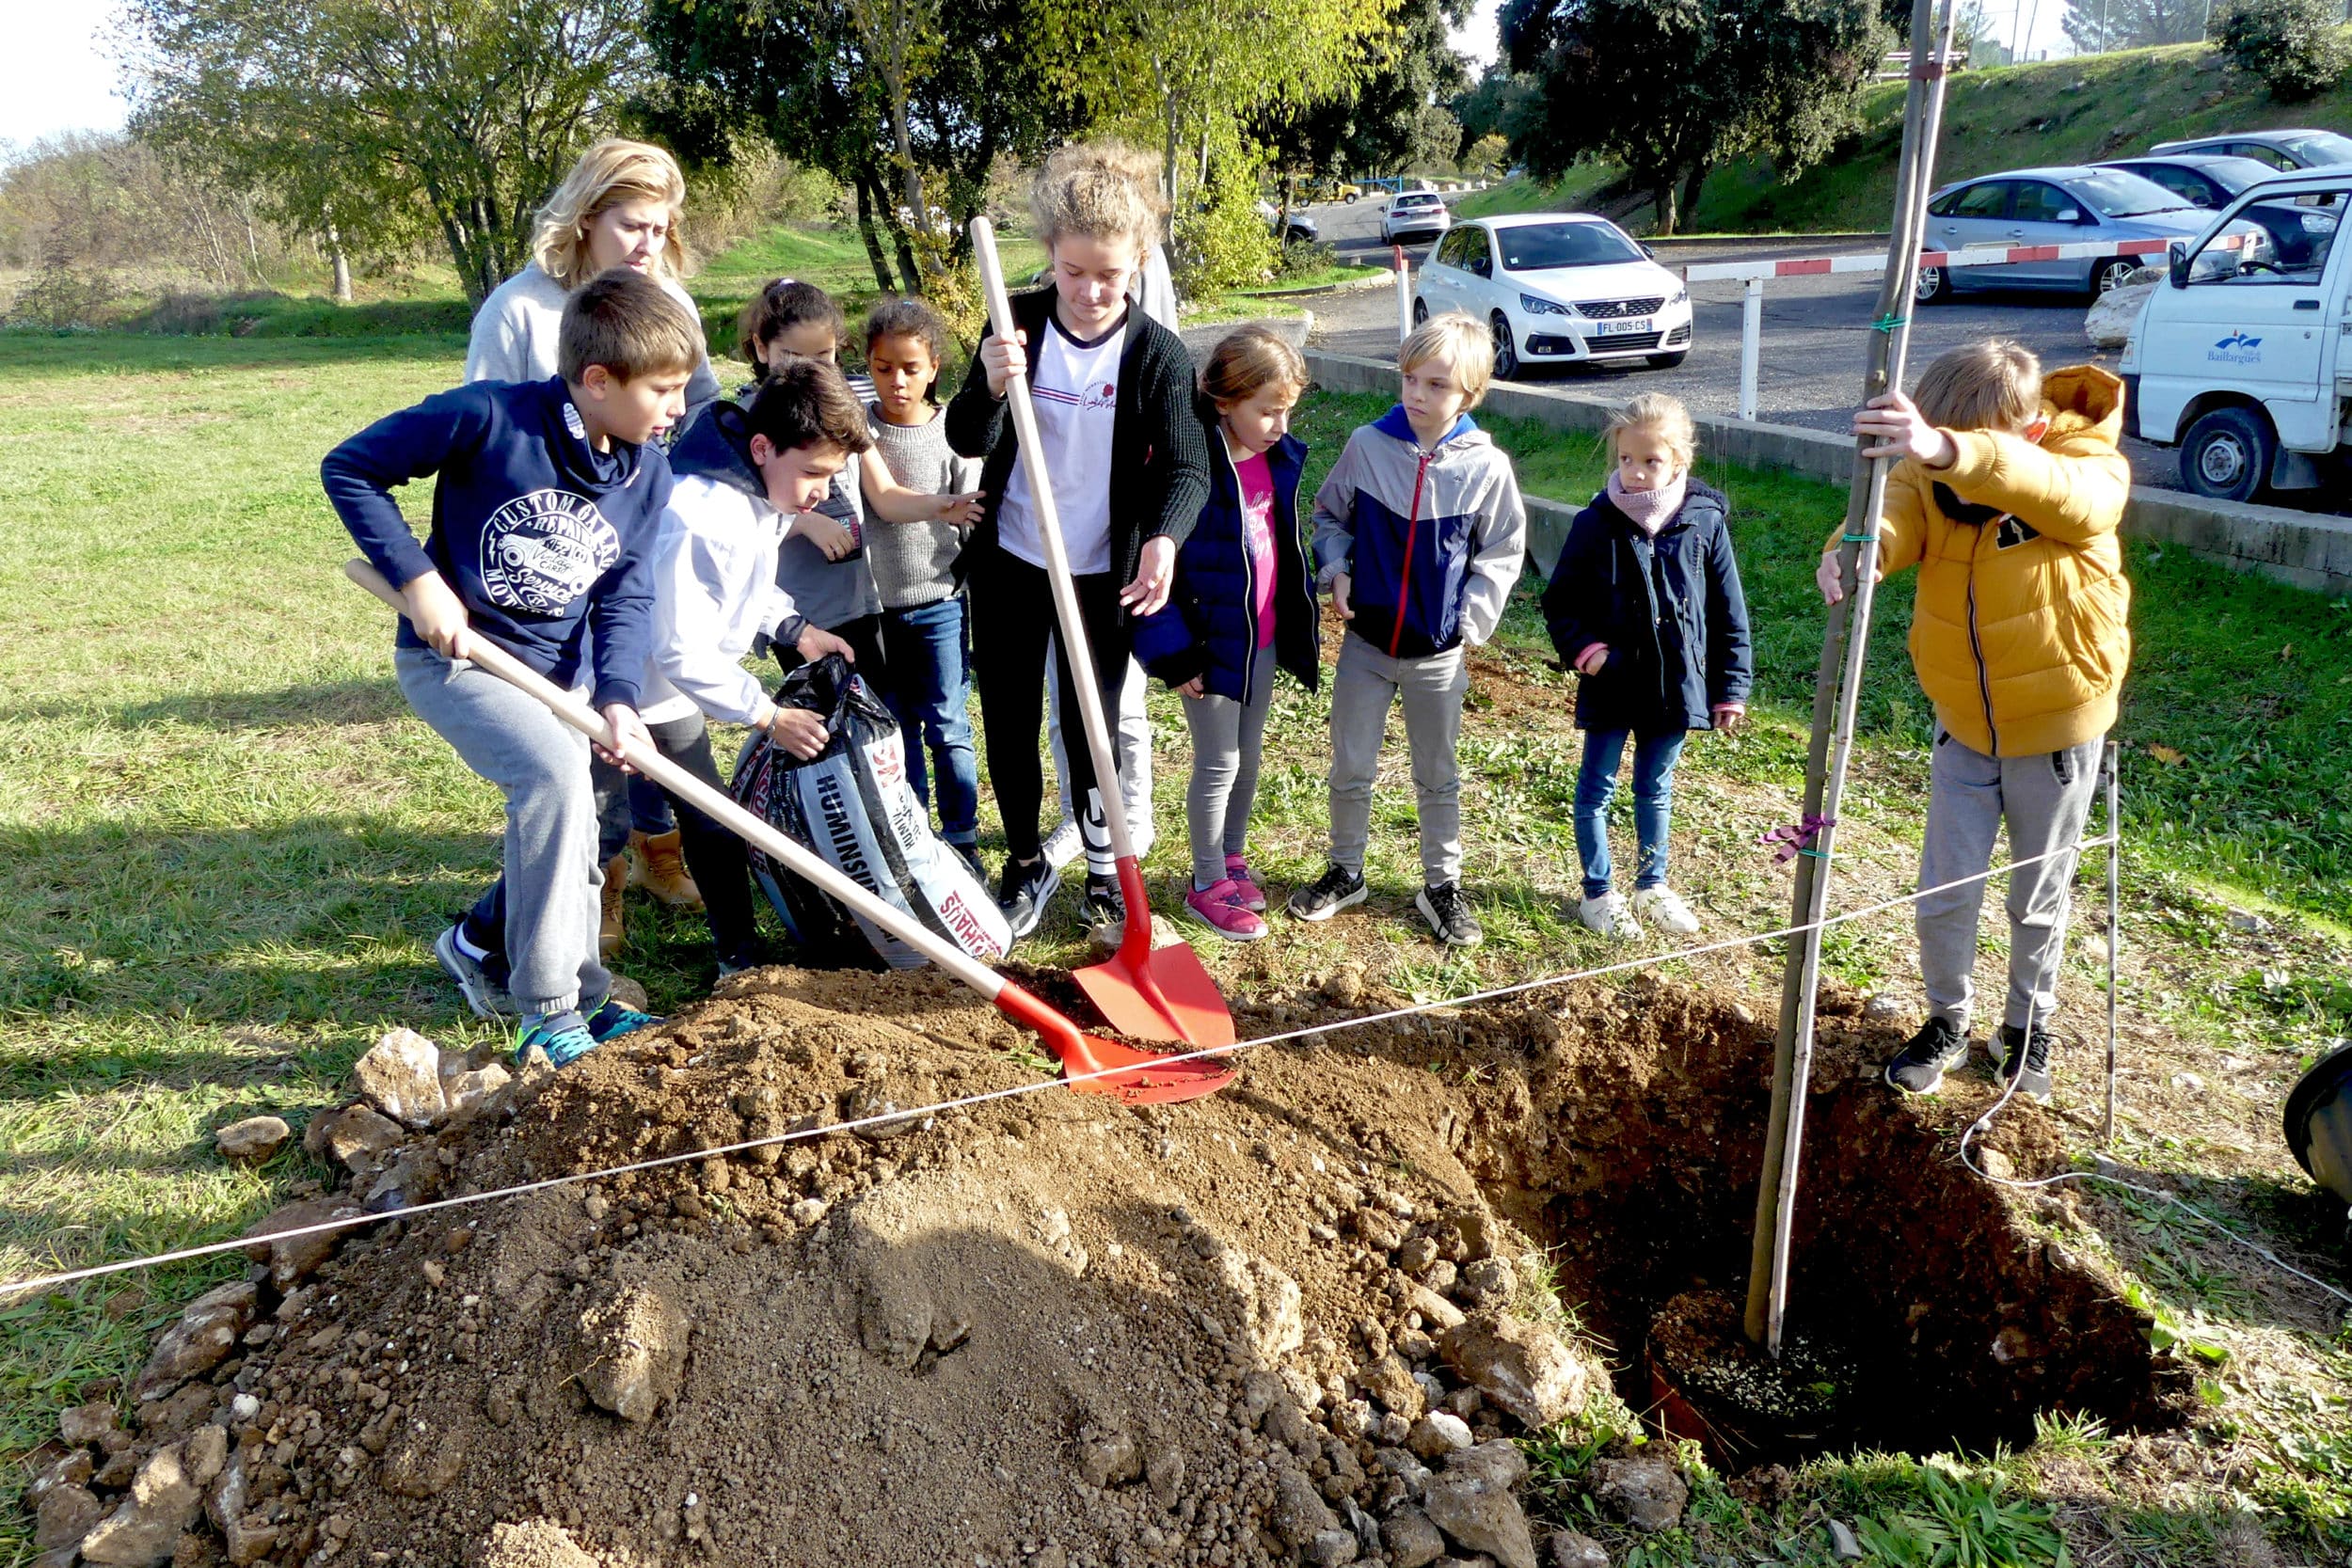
1207,629
1670,609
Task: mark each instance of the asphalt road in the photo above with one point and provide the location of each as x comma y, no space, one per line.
1814,336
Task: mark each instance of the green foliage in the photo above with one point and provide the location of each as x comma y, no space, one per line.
2296,46
1963,1519
1221,242
2108,24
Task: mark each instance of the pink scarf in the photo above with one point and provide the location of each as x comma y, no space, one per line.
1648,510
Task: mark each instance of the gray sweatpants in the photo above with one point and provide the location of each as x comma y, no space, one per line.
1227,738
1363,685
2045,799
554,884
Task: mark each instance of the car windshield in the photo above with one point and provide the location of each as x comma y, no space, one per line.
2112,193
1416,201
2318,147
1533,246
2235,174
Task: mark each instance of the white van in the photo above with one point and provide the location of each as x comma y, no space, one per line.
2243,363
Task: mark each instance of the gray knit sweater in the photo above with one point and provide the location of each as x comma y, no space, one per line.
913,562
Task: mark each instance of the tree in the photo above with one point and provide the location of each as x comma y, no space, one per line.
2095,26
2296,46
358,109
1690,84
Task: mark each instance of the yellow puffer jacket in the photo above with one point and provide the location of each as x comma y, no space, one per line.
2022,633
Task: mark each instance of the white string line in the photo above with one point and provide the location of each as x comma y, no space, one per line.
50,1281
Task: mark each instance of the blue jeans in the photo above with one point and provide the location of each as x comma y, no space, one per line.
1654,759
929,686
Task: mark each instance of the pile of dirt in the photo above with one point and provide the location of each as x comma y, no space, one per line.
1292,1322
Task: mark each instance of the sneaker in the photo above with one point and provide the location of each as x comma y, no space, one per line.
611,929
1447,909
485,996
610,1020
1062,845
656,863
1920,1066
1609,916
1663,906
2033,1083
1253,896
970,855
1219,907
1022,892
563,1037
1332,892
1103,912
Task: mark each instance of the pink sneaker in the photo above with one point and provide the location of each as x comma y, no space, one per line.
1220,908
1253,896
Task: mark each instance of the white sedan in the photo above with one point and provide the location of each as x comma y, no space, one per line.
1557,287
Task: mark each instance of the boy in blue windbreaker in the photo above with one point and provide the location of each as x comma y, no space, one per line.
545,501
1418,535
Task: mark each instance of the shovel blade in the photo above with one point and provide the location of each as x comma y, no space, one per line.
1140,1077
1159,994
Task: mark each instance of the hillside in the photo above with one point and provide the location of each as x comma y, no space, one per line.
2056,111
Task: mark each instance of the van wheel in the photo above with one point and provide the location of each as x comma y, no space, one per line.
2227,455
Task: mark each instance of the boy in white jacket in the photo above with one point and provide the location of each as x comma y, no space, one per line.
744,477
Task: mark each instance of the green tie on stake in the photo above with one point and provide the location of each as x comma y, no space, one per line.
1839,687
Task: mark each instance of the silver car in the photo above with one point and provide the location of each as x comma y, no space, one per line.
2058,206
2281,150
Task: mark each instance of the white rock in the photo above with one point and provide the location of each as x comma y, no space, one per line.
2108,323
401,1076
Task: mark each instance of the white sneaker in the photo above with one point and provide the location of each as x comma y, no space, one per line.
1662,906
1609,915
1062,844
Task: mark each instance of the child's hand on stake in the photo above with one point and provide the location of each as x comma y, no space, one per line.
438,616
1592,659
1340,585
816,642
1155,574
797,730
828,535
1005,357
1730,718
961,509
1902,430
1828,578
629,737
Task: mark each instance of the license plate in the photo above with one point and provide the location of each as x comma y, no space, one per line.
1622,329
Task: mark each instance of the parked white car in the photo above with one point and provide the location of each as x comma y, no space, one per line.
1414,216
1555,288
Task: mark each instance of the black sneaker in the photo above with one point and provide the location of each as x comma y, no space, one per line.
1104,911
2033,1083
1448,912
1023,892
1332,892
1919,1067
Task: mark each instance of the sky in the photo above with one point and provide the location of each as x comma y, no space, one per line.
54,75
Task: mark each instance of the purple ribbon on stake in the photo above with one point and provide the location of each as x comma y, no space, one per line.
1797,838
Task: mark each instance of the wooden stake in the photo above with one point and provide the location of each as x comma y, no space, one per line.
1839,687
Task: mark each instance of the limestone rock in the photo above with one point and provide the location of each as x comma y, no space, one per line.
1842,1541
1269,1302
1379,1230
146,1530
1434,1311
1569,1548
401,1076
1499,1462
1331,1548
253,1140
204,1453
200,1340
86,1424
469,1092
535,1544
1107,1456
1642,1489
1438,1434
423,1463
1488,1282
1298,1514
74,1469
1517,1366
632,1346
2108,323
64,1516
1390,1381
355,1137
248,1541
1412,1541
1482,1516
295,1258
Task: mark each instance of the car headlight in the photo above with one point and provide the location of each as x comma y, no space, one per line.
1683,296
2319,223
1535,307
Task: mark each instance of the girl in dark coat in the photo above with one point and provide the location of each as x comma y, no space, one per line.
1645,607
1242,604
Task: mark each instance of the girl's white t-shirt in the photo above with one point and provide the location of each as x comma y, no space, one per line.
1075,390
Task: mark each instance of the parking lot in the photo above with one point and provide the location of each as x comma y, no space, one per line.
1815,339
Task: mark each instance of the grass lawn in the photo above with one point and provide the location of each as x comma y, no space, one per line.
230,845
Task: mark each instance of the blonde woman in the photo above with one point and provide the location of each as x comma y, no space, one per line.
619,206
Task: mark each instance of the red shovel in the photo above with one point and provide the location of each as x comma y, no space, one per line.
1097,1066
1151,993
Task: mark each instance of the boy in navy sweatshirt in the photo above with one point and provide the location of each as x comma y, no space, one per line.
547,499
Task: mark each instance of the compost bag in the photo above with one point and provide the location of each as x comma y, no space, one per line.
852,806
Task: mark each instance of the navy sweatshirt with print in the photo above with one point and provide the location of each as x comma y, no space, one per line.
542,537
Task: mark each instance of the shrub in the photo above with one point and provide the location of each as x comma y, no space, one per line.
1305,258
2296,46
1221,241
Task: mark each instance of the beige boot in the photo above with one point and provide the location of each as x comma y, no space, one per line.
608,933
658,864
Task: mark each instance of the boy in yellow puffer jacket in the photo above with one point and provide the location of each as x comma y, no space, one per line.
2007,500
